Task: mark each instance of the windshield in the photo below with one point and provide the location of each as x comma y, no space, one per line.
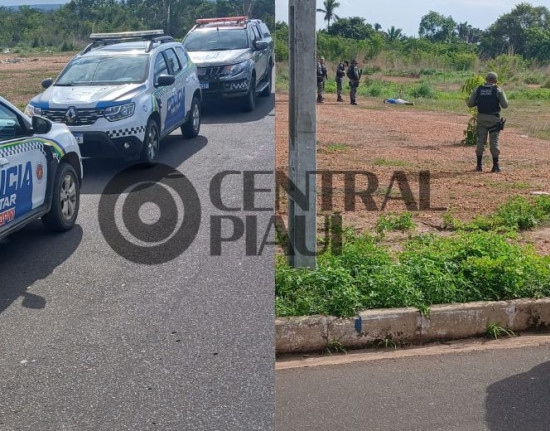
105,70
216,40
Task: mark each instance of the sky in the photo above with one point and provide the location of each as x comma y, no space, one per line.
406,14
29,2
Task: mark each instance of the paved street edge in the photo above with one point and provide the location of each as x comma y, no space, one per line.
408,325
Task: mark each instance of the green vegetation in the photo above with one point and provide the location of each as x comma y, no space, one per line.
69,27
386,162
494,330
518,213
465,267
394,221
335,148
475,263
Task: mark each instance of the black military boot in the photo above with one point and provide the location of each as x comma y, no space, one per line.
479,167
496,167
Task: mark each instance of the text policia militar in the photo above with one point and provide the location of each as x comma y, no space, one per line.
240,204
359,191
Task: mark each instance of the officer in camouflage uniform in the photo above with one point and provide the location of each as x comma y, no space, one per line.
489,99
340,75
321,78
354,75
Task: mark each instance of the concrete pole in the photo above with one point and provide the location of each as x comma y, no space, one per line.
302,162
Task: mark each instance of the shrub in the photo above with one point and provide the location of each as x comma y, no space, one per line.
424,90
394,221
468,266
464,61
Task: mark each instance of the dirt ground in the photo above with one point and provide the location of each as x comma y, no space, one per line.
382,139
21,76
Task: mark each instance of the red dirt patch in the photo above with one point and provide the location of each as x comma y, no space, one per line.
383,139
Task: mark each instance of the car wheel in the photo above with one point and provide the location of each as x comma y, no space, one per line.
249,103
65,200
267,90
151,143
192,126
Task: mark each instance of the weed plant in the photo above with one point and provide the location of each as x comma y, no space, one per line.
478,264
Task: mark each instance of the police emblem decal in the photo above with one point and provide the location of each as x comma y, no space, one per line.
39,172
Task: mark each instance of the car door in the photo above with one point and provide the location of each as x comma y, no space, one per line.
262,58
176,101
257,54
162,94
23,169
190,76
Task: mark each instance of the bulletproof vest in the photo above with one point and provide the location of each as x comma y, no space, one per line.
352,73
321,70
340,71
487,100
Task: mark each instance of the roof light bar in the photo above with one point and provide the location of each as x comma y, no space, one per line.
225,19
127,35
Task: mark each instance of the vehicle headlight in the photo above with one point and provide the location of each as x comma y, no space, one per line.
115,113
31,110
234,69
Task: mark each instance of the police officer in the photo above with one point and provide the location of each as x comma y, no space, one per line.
489,99
354,75
340,74
321,78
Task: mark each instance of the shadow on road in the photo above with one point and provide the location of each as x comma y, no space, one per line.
521,402
174,150
29,255
229,111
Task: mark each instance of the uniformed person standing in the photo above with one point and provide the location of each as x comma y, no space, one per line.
321,78
340,75
489,99
354,75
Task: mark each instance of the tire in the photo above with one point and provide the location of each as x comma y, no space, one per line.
267,91
151,143
65,200
192,126
249,102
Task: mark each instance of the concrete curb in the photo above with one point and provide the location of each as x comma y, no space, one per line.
407,325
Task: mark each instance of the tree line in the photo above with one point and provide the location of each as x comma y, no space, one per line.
69,26
524,31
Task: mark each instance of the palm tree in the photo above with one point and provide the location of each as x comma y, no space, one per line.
394,34
330,7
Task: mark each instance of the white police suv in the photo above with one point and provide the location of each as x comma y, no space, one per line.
40,172
123,93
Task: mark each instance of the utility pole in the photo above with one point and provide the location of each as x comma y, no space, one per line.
302,162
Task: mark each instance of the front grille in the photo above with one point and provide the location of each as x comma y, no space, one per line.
84,117
209,72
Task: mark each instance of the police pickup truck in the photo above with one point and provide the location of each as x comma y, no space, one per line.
40,172
234,58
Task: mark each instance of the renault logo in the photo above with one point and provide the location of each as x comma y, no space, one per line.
71,115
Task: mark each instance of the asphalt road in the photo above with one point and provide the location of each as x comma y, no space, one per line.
92,341
496,390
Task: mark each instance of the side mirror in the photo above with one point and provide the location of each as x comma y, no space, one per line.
41,125
47,83
165,80
260,45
